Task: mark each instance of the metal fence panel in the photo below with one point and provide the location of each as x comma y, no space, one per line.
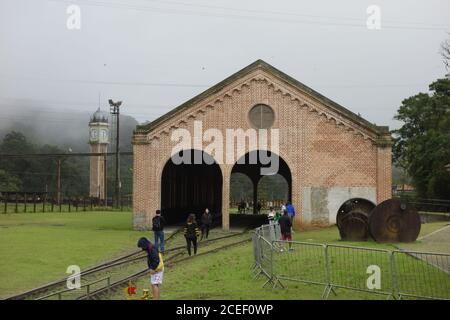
305,262
422,274
277,228
265,254
357,268
398,273
255,242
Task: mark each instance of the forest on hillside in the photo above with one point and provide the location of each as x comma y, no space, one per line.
32,174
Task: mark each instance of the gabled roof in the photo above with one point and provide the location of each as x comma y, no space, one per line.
262,65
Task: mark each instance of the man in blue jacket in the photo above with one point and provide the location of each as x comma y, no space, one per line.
290,210
155,265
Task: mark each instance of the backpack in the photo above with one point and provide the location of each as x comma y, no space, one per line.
157,223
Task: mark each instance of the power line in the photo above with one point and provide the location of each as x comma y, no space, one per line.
137,83
291,13
246,17
60,155
349,85
53,174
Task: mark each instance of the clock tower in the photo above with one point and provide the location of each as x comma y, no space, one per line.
98,141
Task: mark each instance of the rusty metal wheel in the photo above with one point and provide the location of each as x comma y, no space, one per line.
352,219
354,227
394,221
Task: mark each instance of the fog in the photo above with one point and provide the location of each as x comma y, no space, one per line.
155,55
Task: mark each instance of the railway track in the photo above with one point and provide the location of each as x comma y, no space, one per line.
55,284
104,272
171,261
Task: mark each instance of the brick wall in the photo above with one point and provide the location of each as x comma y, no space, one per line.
320,146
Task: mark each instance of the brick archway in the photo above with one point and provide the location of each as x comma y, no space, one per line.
250,164
190,188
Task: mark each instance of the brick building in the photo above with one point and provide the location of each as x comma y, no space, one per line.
327,153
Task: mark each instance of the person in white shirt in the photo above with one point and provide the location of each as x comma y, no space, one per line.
271,215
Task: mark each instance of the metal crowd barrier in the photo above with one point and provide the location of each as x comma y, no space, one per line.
350,267
431,269
297,264
395,274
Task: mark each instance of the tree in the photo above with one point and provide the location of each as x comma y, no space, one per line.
445,52
9,182
30,174
422,144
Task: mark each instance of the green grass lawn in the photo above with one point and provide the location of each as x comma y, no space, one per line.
227,275
37,248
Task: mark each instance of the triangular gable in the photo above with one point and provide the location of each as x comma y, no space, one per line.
373,130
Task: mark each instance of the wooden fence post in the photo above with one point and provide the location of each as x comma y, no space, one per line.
43,202
6,201
17,204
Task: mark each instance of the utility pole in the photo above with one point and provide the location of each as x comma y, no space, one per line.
58,181
105,182
115,111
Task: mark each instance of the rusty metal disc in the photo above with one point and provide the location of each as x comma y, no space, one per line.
394,221
355,204
354,226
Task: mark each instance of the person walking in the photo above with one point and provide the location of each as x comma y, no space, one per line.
271,216
155,265
258,207
291,211
206,223
272,224
242,207
191,233
278,216
158,223
286,227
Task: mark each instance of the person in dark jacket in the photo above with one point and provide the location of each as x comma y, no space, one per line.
155,265
258,207
206,224
285,227
158,223
191,233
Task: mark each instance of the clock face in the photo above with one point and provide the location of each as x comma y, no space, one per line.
103,135
94,134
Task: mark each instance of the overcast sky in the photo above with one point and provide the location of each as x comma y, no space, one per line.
154,55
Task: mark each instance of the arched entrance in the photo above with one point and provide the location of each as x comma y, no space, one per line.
241,193
251,165
273,191
191,187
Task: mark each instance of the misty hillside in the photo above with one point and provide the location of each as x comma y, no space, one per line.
65,129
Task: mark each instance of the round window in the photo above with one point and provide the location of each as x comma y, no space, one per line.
261,116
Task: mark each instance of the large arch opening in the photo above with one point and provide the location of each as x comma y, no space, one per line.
270,183
241,193
273,191
191,187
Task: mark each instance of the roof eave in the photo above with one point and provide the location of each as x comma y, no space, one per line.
260,64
